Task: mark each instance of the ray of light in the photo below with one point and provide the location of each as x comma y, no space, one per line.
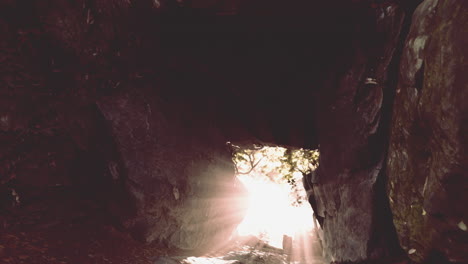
269,216
270,213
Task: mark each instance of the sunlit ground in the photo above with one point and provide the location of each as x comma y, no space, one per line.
270,214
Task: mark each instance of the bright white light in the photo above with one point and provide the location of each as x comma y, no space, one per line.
270,212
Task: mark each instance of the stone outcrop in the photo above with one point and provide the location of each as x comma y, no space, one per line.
177,170
353,115
427,165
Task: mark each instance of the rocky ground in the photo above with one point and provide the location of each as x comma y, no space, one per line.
66,228
250,253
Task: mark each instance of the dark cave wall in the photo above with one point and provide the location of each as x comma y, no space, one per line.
84,110
427,166
424,171
353,122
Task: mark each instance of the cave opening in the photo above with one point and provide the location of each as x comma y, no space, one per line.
278,215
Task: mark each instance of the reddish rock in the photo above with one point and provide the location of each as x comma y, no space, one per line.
427,165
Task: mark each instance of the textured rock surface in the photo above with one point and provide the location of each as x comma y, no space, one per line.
177,170
427,165
352,125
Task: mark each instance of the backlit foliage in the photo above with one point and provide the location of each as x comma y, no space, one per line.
278,164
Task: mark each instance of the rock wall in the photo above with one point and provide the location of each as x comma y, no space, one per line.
353,118
81,113
427,166
176,168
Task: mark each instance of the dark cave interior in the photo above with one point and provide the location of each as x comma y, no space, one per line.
114,118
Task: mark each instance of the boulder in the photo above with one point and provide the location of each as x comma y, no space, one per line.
177,170
353,116
427,165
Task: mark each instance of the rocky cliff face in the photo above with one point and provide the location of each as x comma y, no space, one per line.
427,159
130,104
